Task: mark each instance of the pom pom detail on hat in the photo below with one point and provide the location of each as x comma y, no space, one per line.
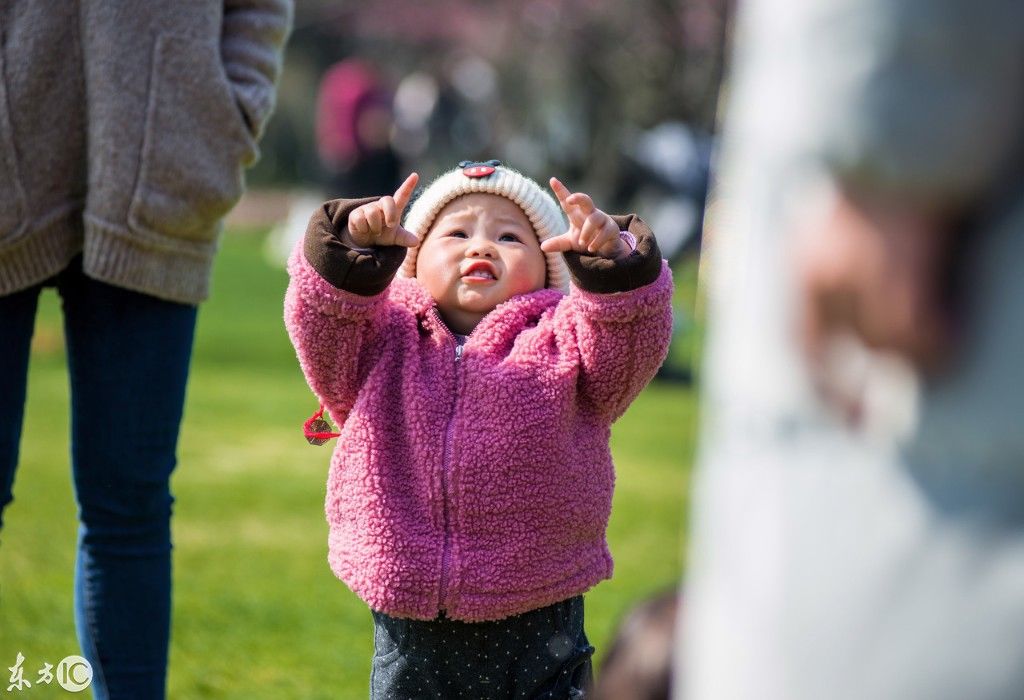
490,177
470,169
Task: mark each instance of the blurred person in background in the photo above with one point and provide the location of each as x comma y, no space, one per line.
125,129
354,120
638,665
859,507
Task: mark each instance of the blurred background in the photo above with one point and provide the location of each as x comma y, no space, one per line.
616,99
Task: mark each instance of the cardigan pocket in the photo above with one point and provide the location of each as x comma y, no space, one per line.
196,143
12,193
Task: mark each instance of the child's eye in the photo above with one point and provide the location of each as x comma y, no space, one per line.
509,237
458,234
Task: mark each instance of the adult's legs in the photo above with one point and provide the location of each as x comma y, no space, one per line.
128,359
17,318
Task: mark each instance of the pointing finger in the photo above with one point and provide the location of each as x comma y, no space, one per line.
565,199
405,190
560,190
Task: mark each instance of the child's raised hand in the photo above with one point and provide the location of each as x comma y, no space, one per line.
591,231
377,223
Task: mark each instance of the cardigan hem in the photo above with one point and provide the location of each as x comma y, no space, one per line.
120,258
41,253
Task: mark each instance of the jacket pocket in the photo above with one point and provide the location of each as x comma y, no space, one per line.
196,143
12,194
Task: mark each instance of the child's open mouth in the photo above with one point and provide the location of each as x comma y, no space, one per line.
480,272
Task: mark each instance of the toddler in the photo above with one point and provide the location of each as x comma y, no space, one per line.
471,485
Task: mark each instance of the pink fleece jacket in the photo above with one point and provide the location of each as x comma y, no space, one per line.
478,481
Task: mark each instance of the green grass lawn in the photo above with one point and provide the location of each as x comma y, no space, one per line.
257,612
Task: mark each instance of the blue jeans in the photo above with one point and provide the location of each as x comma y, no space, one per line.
128,359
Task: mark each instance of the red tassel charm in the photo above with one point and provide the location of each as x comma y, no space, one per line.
317,430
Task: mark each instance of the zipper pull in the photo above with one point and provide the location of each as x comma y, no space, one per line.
458,352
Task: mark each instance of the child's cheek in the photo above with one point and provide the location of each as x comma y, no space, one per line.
522,284
438,273
527,276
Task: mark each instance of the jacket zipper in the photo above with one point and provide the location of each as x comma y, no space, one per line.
445,467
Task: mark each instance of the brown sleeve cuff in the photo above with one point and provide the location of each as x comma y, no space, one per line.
593,273
363,272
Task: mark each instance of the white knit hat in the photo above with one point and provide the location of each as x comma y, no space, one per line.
491,178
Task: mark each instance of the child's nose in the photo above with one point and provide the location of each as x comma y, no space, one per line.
480,247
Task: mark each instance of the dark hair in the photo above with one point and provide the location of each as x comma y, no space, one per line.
638,664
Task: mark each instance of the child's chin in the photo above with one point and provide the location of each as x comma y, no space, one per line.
480,301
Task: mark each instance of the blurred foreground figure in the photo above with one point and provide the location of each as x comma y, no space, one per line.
125,129
859,509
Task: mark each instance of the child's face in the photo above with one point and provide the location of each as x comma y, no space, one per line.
480,251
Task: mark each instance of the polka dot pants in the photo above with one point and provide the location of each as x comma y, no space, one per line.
542,653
